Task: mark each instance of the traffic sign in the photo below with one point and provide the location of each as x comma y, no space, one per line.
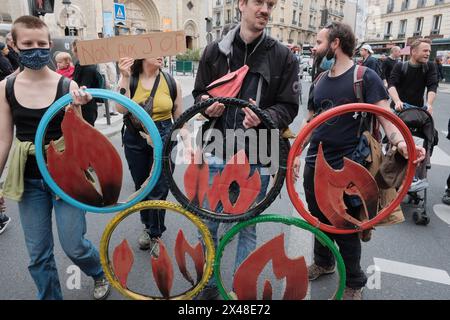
119,12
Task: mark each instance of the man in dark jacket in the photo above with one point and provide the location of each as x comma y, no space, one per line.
89,77
273,77
369,61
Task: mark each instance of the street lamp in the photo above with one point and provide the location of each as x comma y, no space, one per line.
67,4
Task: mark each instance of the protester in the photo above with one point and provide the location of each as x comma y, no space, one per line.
274,70
340,138
440,68
109,73
144,82
12,56
23,101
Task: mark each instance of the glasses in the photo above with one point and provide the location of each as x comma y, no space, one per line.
270,4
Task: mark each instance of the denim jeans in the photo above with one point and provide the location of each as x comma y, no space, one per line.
139,156
349,244
35,210
247,236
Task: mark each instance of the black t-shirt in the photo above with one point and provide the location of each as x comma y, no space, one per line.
411,87
339,135
388,65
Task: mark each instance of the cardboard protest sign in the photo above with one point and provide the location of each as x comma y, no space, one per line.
142,46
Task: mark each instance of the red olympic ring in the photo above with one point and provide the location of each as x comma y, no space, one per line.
322,118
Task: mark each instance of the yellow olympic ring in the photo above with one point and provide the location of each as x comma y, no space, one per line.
207,240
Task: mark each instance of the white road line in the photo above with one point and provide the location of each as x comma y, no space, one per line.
443,212
299,238
413,271
440,157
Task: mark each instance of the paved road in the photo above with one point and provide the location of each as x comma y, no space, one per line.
414,260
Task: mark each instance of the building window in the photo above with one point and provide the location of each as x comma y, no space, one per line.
421,3
419,26
436,27
390,7
388,29
293,17
402,29
228,16
405,5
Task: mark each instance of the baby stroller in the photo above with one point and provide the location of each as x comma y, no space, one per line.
421,125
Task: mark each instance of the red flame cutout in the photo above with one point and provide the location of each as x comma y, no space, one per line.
163,271
330,186
294,270
123,262
85,147
181,248
196,182
249,187
196,179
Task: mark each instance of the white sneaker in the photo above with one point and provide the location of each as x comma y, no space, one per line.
419,185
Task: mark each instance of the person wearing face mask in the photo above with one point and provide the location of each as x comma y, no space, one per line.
160,95
340,138
24,99
5,65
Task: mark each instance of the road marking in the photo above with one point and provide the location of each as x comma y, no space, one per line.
443,212
413,271
440,157
299,238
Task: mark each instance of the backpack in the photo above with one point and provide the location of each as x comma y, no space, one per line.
405,66
169,80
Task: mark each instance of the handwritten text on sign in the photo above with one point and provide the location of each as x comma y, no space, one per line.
149,45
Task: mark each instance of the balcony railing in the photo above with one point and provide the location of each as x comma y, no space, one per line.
401,36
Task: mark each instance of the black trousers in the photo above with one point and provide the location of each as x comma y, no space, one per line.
349,244
139,156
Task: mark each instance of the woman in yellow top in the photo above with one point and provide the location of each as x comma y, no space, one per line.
138,152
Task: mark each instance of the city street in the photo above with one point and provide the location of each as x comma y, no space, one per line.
404,261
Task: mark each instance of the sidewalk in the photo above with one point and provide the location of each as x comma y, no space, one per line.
444,87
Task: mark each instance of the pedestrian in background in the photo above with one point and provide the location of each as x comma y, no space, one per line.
440,68
369,61
5,66
12,56
390,62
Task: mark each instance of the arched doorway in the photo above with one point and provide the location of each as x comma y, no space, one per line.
191,31
142,16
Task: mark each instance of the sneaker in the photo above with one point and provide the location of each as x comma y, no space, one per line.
4,223
445,198
154,247
419,185
144,240
208,293
365,235
102,289
315,271
352,294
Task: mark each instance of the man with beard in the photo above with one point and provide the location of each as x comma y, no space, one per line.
339,138
273,77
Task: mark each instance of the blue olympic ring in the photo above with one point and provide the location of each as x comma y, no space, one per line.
137,111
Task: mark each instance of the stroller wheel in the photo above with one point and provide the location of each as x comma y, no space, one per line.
421,218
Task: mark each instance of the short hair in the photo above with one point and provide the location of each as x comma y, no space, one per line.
63,56
28,22
395,48
416,43
343,32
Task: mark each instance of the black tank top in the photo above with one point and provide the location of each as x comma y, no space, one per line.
27,121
